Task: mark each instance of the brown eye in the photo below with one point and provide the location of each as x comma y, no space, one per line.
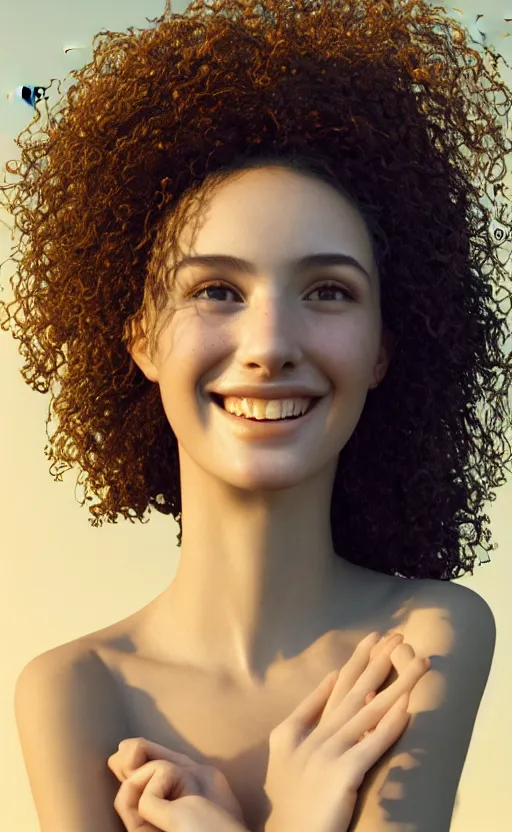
332,288
205,292
211,287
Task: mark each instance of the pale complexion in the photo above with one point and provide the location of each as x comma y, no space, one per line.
257,564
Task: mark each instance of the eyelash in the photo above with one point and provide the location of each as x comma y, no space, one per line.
219,285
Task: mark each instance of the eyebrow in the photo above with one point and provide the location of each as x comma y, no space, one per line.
302,265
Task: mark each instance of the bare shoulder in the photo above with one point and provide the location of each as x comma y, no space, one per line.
451,592
78,660
70,719
455,628
445,616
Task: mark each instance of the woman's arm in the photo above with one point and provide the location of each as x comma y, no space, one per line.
415,784
69,723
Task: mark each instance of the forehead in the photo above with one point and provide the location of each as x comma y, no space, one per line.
267,214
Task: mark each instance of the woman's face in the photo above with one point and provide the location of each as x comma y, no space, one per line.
271,327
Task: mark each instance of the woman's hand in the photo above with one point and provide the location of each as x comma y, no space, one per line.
146,803
166,785
320,754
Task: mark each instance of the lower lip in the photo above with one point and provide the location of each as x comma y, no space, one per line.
259,429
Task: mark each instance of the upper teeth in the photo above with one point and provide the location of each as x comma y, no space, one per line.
265,408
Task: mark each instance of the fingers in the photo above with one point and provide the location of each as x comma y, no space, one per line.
134,752
374,675
306,714
359,759
160,806
127,801
167,781
333,688
372,714
130,755
348,698
401,657
150,795
351,671
382,644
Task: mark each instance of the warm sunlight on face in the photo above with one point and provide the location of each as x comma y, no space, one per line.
271,328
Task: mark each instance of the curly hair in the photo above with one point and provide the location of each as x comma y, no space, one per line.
384,101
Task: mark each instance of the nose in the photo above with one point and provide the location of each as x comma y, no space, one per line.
269,336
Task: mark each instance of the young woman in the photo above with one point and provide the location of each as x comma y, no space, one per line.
248,277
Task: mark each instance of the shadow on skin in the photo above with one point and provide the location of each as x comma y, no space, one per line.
419,791
403,795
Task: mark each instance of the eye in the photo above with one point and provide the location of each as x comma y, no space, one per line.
334,287
210,287
328,287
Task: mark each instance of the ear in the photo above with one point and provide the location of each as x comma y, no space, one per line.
139,351
386,350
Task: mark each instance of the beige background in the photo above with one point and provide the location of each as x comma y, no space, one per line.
60,577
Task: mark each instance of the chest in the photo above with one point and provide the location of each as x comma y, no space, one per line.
211,722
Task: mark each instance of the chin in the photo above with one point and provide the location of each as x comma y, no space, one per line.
263,481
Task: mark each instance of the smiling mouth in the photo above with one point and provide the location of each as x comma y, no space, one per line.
219,401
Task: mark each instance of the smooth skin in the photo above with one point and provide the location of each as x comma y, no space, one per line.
159,787
256,512
318,756
314,773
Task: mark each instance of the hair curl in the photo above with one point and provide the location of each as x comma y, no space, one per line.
386,102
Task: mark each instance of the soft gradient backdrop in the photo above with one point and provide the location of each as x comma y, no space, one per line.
62,578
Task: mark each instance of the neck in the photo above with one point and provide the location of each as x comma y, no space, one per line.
256,576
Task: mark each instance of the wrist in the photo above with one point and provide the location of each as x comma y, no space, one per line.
211,817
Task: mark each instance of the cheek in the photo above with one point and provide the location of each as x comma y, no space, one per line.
345,354
194,346
181,383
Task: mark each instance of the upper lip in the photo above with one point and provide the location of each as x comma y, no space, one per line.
269,393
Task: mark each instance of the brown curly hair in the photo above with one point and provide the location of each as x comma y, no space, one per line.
386,102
